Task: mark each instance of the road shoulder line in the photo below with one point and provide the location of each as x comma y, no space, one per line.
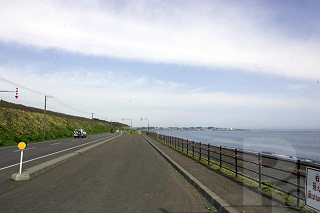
46,166
214,199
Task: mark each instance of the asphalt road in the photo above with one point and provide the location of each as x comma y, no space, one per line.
40,152
124,175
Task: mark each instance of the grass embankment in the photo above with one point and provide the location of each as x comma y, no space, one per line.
17,125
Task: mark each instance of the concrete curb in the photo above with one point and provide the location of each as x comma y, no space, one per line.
37,170
214,199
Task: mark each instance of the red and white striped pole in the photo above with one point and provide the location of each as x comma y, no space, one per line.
17,93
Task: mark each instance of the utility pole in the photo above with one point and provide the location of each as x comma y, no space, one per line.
147,120
92,123
128,119
45,112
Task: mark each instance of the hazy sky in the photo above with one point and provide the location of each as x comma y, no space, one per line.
241,64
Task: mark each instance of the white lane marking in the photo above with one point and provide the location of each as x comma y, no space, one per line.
56,143
8,147
7,167
25,149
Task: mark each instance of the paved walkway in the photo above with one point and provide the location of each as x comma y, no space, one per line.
239,197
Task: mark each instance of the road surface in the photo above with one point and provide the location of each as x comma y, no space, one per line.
123,175
40,152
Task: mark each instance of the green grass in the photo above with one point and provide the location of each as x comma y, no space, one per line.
289,200
18,125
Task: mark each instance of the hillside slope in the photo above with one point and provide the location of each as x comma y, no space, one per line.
21,123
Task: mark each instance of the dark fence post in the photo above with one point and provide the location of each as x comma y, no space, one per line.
193,149
298,182
236,161
220,158
182,144
200,149
187,147
175,143
178,144
259,162
208,154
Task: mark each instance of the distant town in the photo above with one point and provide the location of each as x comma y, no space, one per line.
193,128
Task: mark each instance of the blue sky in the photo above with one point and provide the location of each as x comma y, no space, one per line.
178,63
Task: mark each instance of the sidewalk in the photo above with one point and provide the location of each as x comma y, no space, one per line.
237,196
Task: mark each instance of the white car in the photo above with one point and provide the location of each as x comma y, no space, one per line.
79,133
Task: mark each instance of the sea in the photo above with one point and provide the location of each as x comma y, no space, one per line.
302,144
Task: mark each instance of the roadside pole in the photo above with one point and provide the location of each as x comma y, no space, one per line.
21,146
45,112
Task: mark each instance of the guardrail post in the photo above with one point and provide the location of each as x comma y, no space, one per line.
259,162
208,154
236,161
298,183
193,149
220,158
187,146
200,149
178,144
175,143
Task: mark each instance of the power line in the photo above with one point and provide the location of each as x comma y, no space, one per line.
19,85
22,101
43,94
68,106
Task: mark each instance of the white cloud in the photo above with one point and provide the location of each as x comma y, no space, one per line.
115,95
196,33
297,86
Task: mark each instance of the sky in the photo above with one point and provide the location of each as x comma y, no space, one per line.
239,64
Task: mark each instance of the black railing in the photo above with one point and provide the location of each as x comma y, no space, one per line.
284,175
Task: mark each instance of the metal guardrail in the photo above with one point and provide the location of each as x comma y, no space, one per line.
284,175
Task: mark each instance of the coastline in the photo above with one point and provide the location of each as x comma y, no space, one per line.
287,144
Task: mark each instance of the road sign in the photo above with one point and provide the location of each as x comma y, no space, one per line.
22,145
313,188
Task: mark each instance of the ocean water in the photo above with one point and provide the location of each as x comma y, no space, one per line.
303,144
